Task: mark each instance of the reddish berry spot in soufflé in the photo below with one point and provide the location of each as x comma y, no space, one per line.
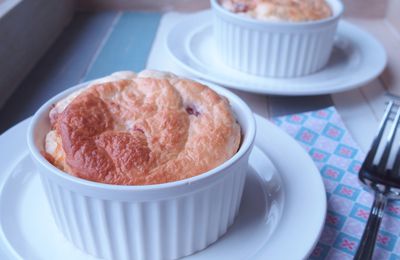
135,128
192,111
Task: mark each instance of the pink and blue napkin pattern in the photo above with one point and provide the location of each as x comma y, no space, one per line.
337,156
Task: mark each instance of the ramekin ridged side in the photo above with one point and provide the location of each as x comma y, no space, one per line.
274,49
164,221
162,229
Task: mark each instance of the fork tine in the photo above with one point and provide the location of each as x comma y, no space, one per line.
389,143
396,164
375,144
379,178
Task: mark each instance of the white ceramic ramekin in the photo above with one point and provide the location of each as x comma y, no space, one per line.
164,221
274,49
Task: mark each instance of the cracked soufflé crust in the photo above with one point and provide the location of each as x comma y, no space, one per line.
148,128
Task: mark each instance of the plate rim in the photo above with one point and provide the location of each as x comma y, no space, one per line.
6,250
262,124
196,20
313,172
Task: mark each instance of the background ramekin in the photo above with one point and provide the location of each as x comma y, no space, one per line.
274,49
164,221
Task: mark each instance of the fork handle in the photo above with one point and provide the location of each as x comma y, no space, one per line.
367,245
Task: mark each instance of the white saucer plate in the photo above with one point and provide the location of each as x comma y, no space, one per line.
284,204
356,59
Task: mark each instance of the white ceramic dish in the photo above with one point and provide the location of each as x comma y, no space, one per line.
162,221
356,59
28,231
274,48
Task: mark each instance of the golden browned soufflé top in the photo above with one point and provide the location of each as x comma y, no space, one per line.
280,10
138,129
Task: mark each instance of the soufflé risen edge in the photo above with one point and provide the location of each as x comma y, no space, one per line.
139,129
280,10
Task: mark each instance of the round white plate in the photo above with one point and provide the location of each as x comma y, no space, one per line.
283,182
356,59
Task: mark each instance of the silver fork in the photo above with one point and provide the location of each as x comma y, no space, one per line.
381,178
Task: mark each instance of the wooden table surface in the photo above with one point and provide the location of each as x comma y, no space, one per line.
98,43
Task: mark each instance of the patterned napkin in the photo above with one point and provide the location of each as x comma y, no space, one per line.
337,156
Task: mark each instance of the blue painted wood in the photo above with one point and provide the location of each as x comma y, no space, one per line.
64,64
128,46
